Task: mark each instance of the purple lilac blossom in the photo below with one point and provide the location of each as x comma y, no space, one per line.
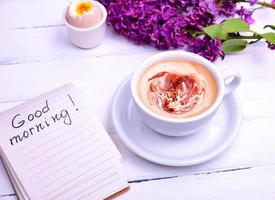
252,2
271,46
206,47
226,7
162,24
246,15
105,2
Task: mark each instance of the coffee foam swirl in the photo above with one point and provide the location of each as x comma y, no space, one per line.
176,93
177,88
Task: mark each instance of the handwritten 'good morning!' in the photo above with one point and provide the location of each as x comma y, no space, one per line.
18,121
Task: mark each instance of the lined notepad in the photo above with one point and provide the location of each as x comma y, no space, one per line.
54,148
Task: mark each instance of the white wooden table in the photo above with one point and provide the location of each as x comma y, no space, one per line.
36,56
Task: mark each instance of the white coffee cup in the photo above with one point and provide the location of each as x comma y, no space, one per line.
87,37
226,81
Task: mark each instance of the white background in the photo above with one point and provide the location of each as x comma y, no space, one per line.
36,56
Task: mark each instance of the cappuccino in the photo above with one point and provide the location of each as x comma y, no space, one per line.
177,88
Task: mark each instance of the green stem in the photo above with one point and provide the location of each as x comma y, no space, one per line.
255,41
266,4
262,3
256,36
245,37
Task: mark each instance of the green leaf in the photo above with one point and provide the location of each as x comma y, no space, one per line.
216,31
235,25
270,37
270,26
234,45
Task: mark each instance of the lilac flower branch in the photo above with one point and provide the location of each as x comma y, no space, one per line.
192,25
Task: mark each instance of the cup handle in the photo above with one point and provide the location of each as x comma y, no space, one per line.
231,80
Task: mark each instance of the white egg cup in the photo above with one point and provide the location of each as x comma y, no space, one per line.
87,38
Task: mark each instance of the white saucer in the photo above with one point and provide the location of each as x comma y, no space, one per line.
175,151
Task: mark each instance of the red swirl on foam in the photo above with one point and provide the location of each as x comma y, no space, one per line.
176,93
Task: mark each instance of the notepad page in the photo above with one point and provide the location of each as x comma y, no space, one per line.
21,194
58,150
